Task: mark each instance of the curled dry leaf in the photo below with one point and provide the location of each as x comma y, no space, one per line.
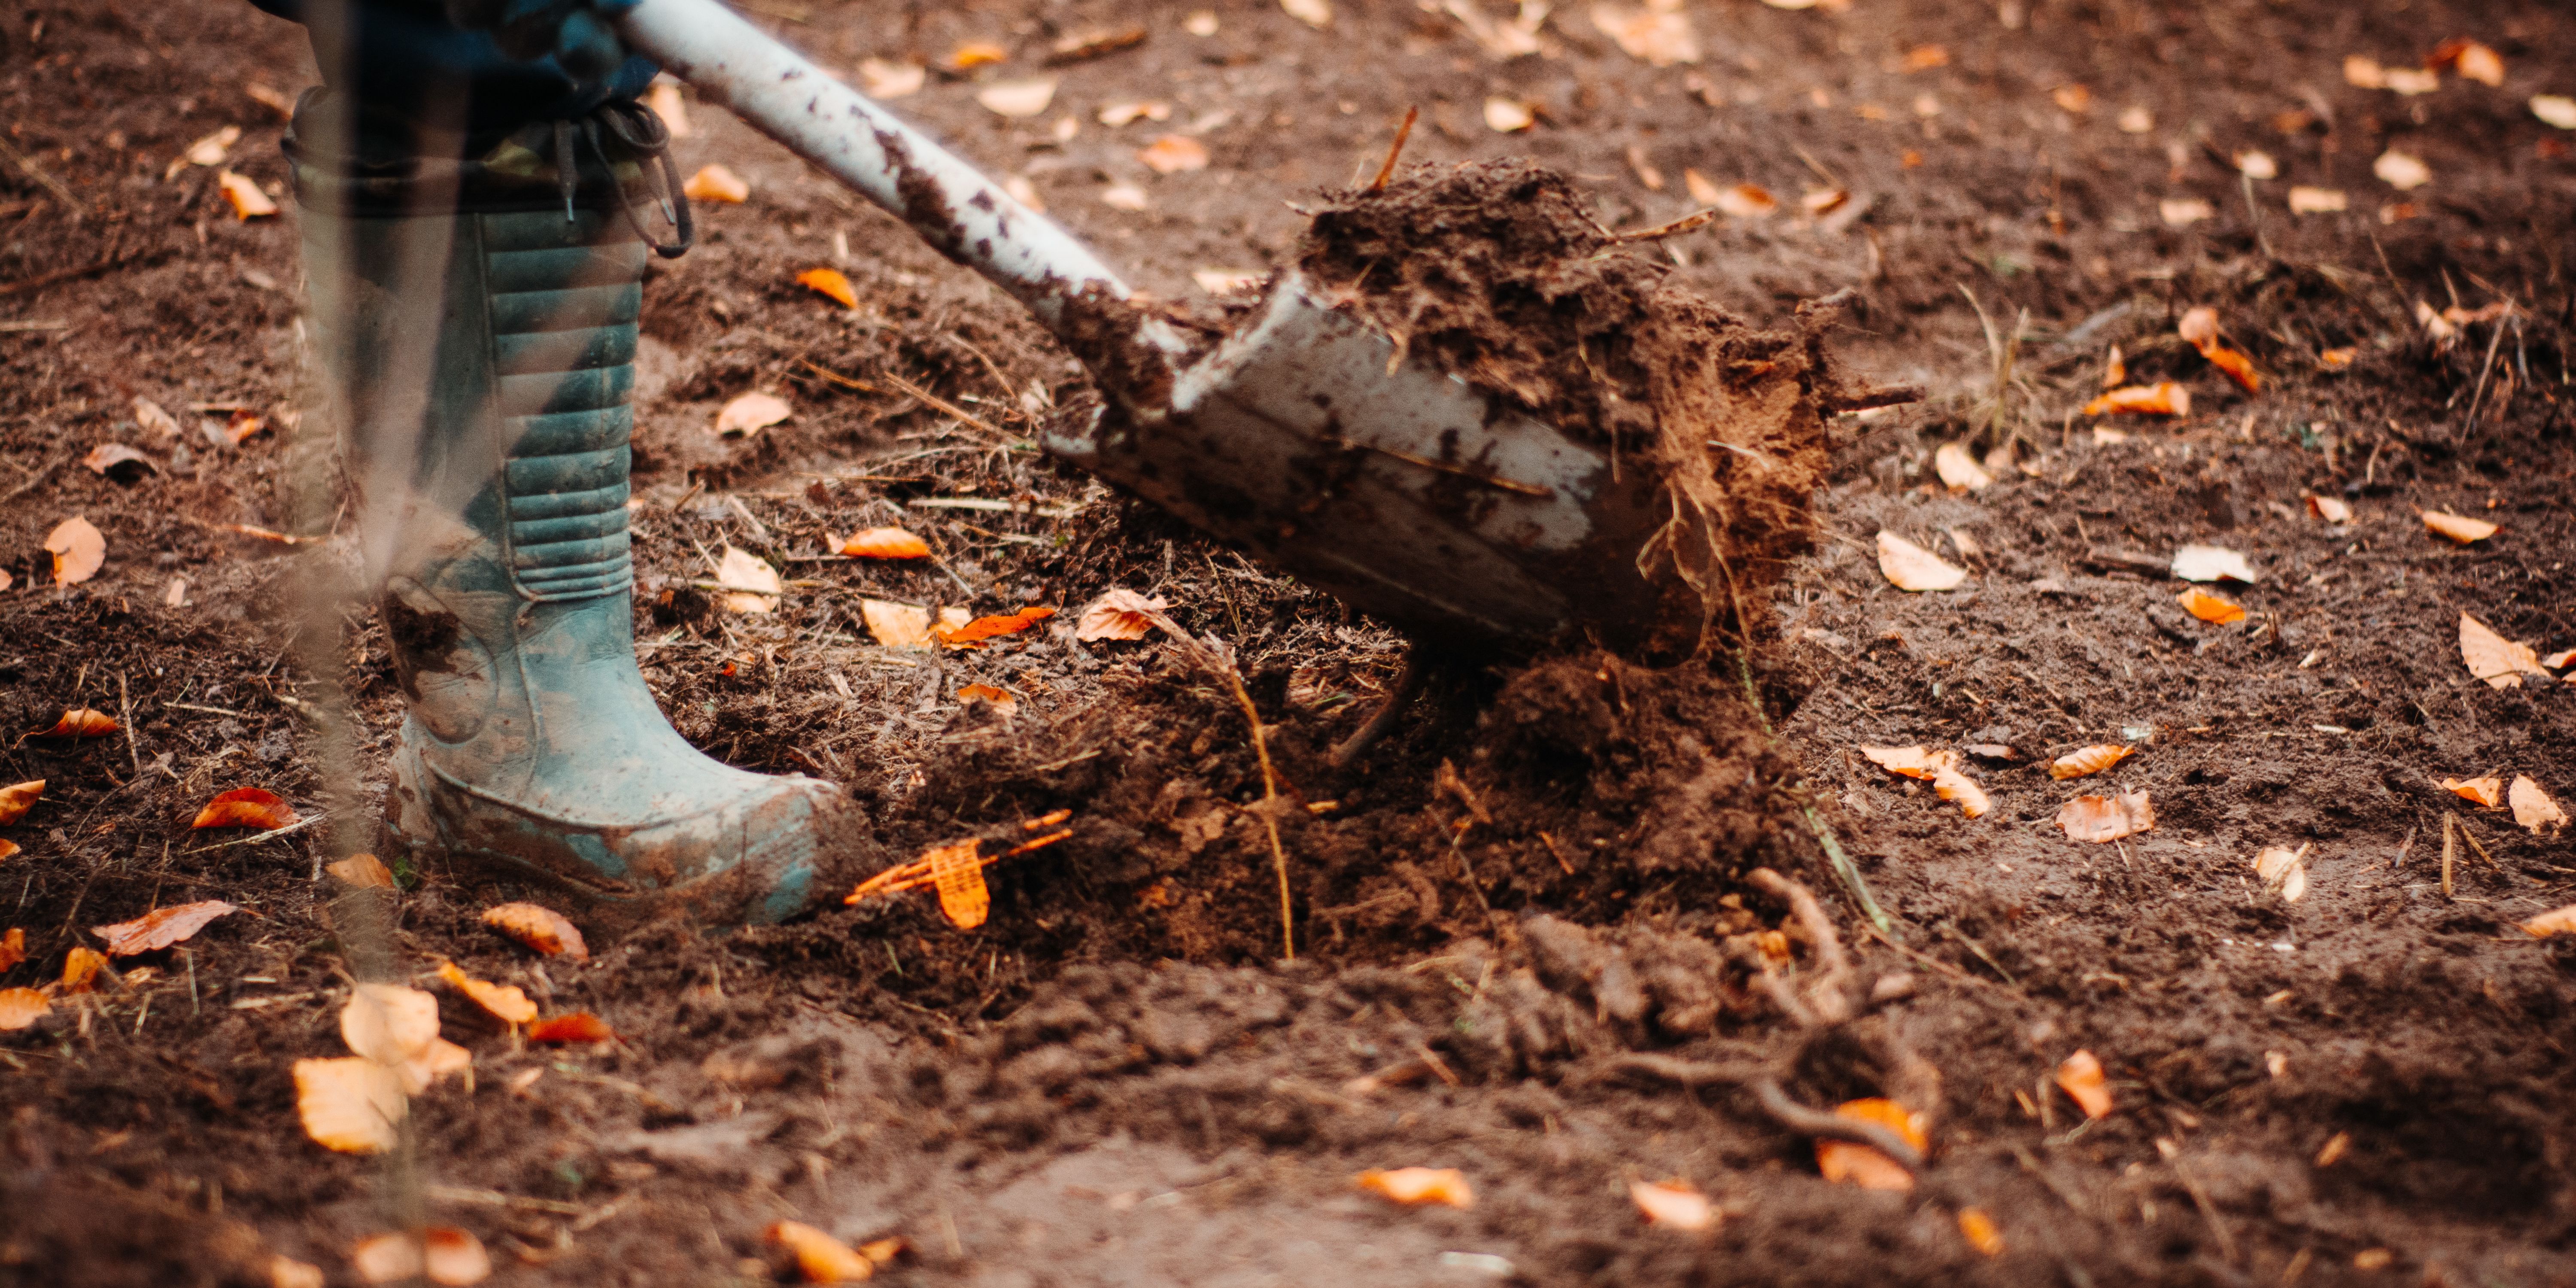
896,625
2106,818
750,584
2283,870
2487,791
2559,660
572,1026
2473,61
539,928
349,1105
2337,359
1673,1205
716,183
1508,115
2558,921
752,412
1229,281
1843,1160
2255,164
505,1001
78,551
363,872
22,1007
664,98
2493,658
880,79
2533,808
984,628
2329,508
2163,398
2317,201
2466,531
1908,566
958,874
1747,201
246,807
1314,13
2210,608
2238,367
106,458
1124,196
2555,109
1019,98
885,543
1657,34
397,1027
1413,1185
1174,154
442,1254
160,928
1979,1230
17,798
2080,1077
832,283
972,54
80,969
2212,563
2401,170
1119,614
2198,327
2088,760
247,200
149,415
213,148
1114,115
2183,212
1000,699
820,1258
1959,471
1912,762
13,947
1950,784
79,722
2073,97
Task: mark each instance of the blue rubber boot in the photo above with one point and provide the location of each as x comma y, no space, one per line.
483,360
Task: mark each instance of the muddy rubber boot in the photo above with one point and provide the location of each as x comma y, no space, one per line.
484,362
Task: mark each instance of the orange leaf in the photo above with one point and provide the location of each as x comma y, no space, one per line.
1173,154
7,847
2485,791
831,282
2464,531
2237,366
349,1104
976,53
444,1255
13,948
20,1007
247,200
881,1251
1673,1204
1913,762
80,969
2332,509
896,625
540,928
1842,1160
984,628
78,551
16,800
2106,818
242,425
2080,1077
1908,566
885,543
1415,1185
504,1001
2493,658
2533,809
1119,614
2558,921
246,807
1002,698
820,1258
575,1026
363,871
2164,398
959,876
716,183
1951,785
2088,760
2198,328
160,928
1979,1230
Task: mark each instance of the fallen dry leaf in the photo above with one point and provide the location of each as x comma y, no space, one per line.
1925,58
1017,99
2463,530
1087,43
253,807
2198,327
1174,154
1912,762
1979,1230
1002,699
716,183
350,1104
363,872
2257,165
2409,80
2183,212
2533,808
2401,170
79,722
984,628
1746,201
2337,359
1674,1205
2072,97
1959,470
749,584
2212,563
1314,13
18,798
572,1026
539,928
160,928
7,847
397,1027
2088,760
213,148
1950,784
832,283
247,200
2493,658
1508,115
1124,196
1229,281
2080,1077
2558,921
106,458
1908,566
969,55
2317,201
2555,109
442,1254
2332,509
505,1001
149,415
820,1258
958,874
2560,660
80,969
885,543
21,1007
2486,791
664,98
13,947
1115,115
1842,1160
2283,870
2473,61
1119,614
2163,398
881,79
2106,818
896,625
287,1272
1412,1185
2207,607
1658,34
2238,367
241,424
78,551
752,412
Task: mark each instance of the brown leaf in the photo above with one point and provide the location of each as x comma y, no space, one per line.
2215,609
13,947
897,625
2332,509
2106,818
78,549
2088,760
717,183
2493,658
539,928
363,872
17,799
830,282
2238,367
160,928
2198,327
572,1026
1417,1185
80,969
248,201
2462,530
504,1001
1959,471
80,722
750,413
820,1258
1092,42
1658,34
105,458
246,807
242,424
397,1027
2559,921
1951,785
444,1255
2533,808
1908,566
7,847
2080,1077
2284,870
1119,614
885,543
972,54
1174,154
1002,699
1674,1205
1842,1160
1979,1230
350,1104
1912,762
2164,398
984,628
2485,791
750,584
21,1007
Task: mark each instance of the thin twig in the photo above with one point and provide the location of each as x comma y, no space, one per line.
1408,682
1402,132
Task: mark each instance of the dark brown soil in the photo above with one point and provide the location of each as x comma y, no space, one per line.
1528,900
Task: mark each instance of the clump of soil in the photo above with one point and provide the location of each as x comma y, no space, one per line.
1495,272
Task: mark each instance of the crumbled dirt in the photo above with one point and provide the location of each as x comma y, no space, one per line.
1527,943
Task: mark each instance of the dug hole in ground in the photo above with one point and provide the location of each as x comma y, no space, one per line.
2244,293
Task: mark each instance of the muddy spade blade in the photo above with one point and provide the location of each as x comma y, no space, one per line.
1301,437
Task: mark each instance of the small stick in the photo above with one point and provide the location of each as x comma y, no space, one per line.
125,708
1408,682
2479,846
1693,220
2483,372
2450,848
1402,132
1816,1122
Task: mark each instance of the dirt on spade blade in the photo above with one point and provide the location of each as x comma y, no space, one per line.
1498,273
